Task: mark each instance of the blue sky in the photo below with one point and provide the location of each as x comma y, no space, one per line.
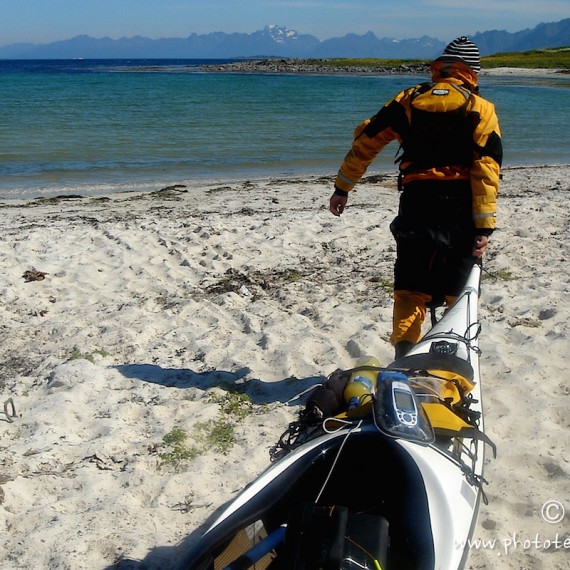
42,21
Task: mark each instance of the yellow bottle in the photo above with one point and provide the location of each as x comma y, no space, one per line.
362,383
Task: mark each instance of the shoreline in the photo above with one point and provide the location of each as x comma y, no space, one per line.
188,186
130,317
310,66
318,67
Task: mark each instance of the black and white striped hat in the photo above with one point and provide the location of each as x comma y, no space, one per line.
464,49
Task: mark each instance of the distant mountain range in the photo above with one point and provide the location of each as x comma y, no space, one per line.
275,41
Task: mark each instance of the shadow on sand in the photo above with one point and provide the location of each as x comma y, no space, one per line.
291,391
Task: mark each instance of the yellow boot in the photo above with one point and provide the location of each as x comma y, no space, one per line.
408,317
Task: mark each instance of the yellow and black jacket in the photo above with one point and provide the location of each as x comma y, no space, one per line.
450,98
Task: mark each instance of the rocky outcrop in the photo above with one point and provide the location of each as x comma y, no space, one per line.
311,66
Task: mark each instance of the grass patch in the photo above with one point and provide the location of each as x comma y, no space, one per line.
551,58
77,354
548,58
385,284
501,275
293,276
216,435
177,451
232,403
372,62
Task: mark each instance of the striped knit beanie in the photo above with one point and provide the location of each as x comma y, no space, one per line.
464,49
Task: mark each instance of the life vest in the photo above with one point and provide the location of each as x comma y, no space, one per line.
440,128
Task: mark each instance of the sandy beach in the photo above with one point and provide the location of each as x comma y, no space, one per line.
128,322
524,72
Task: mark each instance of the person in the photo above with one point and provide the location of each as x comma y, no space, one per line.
449,172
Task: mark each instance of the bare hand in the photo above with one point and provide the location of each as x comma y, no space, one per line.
480,245
337,204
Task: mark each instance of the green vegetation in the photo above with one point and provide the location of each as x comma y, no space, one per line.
373,62
549,58
178,451
385,284
500,275
76,354
217,434
552,58
293,276
232,403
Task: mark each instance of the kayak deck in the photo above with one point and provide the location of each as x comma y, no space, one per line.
360,470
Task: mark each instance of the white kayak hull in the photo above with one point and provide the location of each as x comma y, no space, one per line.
453,500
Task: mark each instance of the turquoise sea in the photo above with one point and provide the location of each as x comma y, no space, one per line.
92,127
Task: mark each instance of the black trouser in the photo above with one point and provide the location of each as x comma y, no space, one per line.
434,234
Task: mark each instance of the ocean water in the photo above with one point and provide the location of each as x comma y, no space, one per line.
91,127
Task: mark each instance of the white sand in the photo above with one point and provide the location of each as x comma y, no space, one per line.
523,71
172,294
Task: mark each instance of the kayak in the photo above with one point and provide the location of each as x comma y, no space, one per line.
391,481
